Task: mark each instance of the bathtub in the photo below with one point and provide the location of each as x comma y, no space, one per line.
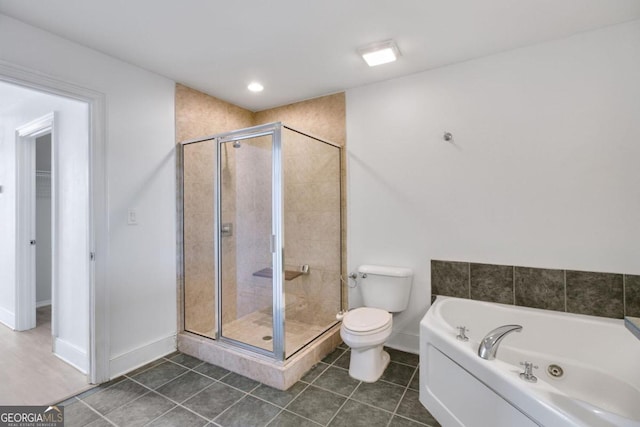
600,360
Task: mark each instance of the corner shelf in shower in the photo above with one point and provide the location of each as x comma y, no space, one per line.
268,273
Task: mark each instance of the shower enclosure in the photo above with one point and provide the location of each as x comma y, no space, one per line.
261,238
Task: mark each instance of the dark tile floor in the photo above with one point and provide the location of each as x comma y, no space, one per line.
181,391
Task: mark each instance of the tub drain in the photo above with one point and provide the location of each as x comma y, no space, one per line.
267,338
555,371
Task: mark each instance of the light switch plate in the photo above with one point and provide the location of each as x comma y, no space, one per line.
132,217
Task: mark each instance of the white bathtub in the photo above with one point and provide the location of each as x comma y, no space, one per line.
600,358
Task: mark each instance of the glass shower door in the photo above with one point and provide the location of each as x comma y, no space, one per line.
245,239
313,237
199,270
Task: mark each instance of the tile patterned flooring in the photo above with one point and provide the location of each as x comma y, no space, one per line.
181,391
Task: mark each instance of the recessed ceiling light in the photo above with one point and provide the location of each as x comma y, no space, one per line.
255,87
379,53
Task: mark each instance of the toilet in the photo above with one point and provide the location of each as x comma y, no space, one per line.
385,290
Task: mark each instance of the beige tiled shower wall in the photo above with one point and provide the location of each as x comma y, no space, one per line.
324,117
199,115
198,231
253,221
312,228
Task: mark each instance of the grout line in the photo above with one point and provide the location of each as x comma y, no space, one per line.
565,289
404,364
175,363
513,280
231,406
94,410
312,381
193,412
297,415
469,278
395,410
275,404
624,295
289,403
412,420
333,392
163,414
344,403
297,395
248,393
275,416
161,385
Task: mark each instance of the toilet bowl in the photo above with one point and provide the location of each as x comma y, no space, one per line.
365,331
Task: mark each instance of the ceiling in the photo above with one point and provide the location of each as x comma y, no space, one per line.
300,49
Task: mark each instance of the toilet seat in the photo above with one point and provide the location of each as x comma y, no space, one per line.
366,320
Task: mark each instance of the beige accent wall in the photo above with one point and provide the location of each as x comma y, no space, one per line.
199,115
324,117
312,228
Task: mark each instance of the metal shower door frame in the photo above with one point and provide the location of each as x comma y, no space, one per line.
277,235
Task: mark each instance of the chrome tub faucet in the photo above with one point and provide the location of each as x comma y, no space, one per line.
490,343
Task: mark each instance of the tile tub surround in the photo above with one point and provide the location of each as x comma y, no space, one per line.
180,390
596,294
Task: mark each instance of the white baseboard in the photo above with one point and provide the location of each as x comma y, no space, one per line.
126,362
405,342
8,318
72,354
43,303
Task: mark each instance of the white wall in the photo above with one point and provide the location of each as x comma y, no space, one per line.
543,171
141,174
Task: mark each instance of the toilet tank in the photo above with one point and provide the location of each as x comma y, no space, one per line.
385,287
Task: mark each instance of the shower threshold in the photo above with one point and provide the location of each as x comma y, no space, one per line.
277,374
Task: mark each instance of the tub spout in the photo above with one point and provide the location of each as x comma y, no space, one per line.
490,343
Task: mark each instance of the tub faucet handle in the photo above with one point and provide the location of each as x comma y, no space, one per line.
462,331
527,375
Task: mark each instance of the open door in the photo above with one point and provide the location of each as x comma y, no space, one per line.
26,220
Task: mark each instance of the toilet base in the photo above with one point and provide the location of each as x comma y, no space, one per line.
368,364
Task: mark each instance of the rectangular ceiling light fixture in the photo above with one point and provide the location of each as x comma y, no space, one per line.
379,53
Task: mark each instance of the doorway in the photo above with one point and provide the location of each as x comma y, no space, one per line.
51,304
69,113
44,249
34,221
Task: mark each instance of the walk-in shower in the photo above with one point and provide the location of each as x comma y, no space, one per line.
261,238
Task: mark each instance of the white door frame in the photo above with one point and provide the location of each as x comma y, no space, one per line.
25,291
98,208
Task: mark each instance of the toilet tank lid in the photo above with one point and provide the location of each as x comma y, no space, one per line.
382,270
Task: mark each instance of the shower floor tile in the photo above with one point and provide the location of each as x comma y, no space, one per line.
227,401
256,329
